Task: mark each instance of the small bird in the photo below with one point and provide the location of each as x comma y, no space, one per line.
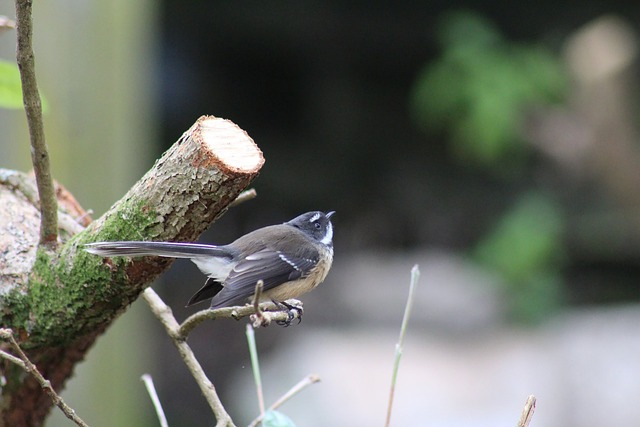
291,259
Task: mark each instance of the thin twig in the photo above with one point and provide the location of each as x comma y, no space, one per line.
33,109
415,274
270,312
11,358
244,197
304,383
527,412
151,389
24,362
257,295
255,365
164,314
191,322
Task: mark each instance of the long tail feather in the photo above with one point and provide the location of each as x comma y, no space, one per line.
163,249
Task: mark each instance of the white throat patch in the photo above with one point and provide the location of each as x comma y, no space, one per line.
328,236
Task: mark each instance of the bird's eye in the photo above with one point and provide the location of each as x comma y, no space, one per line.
317,225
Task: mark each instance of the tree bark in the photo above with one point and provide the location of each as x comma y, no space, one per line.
58,303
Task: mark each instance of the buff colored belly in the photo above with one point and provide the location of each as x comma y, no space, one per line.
300,287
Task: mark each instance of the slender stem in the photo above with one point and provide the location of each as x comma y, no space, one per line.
23,361
33,108
415,275
255,365
527,412
304,383
164,314
151,389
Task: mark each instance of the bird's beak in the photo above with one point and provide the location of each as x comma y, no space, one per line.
330,214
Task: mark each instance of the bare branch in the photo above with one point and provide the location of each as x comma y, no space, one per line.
164,314
23,361
257,295
11,358
270,312
33,109
179,333
304,383
245,196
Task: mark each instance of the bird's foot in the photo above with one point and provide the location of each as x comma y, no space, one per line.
294,310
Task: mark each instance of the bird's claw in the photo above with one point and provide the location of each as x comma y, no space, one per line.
294,311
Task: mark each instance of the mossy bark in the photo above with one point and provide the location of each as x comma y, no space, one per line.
67,298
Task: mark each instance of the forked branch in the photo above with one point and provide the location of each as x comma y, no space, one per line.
164,314
23,361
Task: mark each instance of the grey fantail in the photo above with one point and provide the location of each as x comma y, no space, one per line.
291,259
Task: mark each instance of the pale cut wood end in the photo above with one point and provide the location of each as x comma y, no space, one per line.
230,145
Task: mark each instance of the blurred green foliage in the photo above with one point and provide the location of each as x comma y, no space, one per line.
525,249
479,89
478,93
11,87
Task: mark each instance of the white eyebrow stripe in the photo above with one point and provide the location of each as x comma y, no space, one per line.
315,217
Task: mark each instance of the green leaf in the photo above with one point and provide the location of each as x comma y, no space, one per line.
276,419
11,88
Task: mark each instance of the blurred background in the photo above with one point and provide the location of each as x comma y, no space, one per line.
495,144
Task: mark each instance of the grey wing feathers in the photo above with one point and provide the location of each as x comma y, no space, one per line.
164,249
267,265
208,291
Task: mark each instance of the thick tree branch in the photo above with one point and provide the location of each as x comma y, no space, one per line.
33,109
58,304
